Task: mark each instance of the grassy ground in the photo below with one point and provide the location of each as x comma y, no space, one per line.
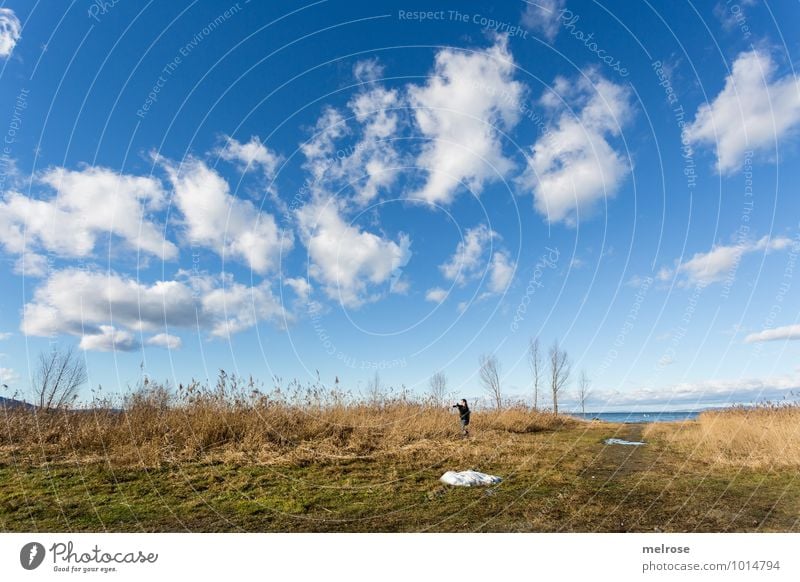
561,479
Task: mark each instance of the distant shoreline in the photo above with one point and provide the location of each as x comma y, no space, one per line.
639,417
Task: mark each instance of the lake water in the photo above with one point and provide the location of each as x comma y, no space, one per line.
667,416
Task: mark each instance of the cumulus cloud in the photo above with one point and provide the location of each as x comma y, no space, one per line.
368,163
372,165
87,304
320,149
31,265
468,97
473,259
231,227
787,332
721,261
374,109
165,340
368,70
469,259
87,204
77,302
345,259
234,307
301,287
573,165
543,16
752,112
109,339
436,295
250,156
10,32
501,271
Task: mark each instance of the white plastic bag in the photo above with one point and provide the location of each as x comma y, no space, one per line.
469,478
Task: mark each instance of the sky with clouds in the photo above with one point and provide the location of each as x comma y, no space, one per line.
330,189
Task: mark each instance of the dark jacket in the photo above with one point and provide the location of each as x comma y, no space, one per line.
463,412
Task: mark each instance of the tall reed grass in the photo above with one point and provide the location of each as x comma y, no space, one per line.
765,436
237,417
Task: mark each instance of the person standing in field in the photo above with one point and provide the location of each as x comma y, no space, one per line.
463,413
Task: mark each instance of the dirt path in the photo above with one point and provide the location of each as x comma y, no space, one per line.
620,460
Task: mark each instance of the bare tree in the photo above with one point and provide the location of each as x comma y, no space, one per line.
490,378
559,372
59,375
584,387
375,389
535,361
438,387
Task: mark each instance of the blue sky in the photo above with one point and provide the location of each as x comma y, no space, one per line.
338,188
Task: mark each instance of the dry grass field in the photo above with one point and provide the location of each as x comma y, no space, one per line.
764,438
234,458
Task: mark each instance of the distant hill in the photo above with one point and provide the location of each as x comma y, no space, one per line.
12,403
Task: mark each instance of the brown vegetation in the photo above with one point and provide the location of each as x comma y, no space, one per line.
234,458
153,425
763,437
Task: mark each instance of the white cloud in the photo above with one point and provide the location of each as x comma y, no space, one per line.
713,266
572,164
501,271
87,304
88,204
733,14
8,376
320,149
213,218
787,332
543,16
31,265
468,261
576,263
752,112
109,339
664,274
10,31
234,307
473,259
5,335
77,302
721,261
637,281
436,295
344,258
300,286
398,284
466,99
374,109
250,156
367,165
368,70
165,340
372,165
704,393
773,244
